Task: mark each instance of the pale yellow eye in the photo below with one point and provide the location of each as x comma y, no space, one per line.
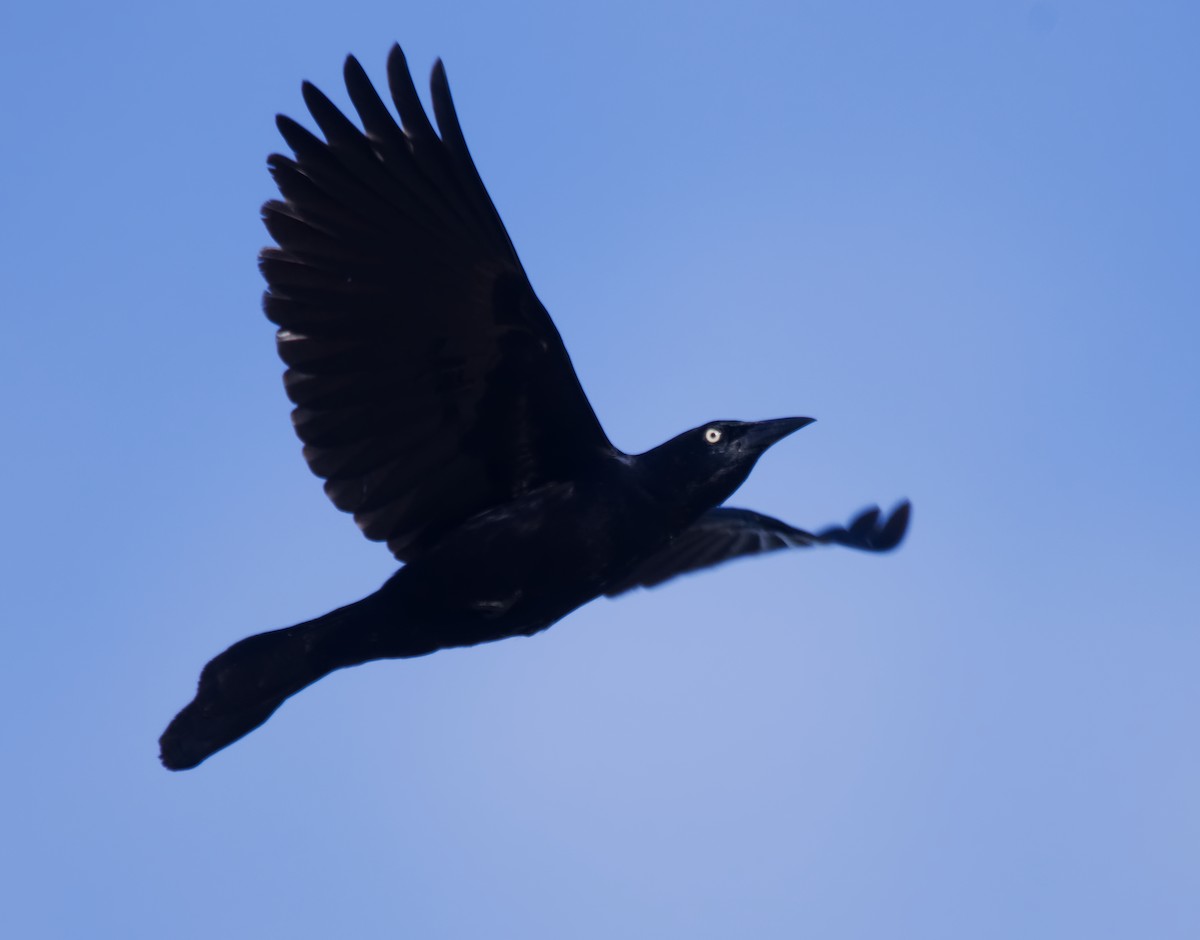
712,435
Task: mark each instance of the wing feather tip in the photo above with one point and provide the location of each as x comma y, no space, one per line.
896,527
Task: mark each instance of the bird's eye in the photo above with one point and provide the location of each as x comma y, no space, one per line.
712,435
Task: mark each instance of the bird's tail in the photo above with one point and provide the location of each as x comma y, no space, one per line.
241,688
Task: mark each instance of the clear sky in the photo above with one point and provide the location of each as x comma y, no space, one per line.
964,236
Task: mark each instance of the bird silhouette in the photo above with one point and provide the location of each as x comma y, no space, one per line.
435,398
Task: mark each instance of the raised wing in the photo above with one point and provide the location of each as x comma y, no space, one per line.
429,381
723,534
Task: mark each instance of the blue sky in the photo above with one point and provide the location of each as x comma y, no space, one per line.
963,236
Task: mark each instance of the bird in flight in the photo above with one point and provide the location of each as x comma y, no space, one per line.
435,398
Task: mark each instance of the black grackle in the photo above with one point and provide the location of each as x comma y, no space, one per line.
435,398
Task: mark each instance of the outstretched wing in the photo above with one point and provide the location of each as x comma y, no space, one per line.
723,534
429,381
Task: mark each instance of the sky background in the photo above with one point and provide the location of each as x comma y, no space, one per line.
964,236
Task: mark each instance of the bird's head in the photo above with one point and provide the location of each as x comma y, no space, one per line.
701,468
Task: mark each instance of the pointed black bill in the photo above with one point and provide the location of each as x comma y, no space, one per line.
762,434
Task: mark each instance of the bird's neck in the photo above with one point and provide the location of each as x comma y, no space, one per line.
675,499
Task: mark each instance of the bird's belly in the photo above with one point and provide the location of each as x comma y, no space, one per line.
519,569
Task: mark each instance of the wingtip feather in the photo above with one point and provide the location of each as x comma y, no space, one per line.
896,526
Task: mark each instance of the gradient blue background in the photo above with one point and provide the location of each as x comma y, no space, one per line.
965,236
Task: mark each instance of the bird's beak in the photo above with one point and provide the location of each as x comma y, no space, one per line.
762,434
